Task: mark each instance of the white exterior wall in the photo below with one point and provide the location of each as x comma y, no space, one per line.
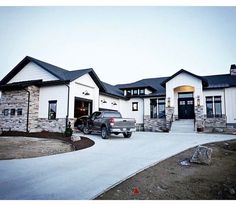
32,72
126,109
209,93
58,93
78,86
109,101
183,79
230,96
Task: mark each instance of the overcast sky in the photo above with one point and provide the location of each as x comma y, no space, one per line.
122,44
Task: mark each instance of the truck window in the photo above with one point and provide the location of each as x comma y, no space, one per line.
112,114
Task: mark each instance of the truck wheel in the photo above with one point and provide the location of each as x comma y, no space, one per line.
127,135
86,130
104,133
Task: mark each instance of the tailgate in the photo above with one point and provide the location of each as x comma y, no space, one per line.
124,122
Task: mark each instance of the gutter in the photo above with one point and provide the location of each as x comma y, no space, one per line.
27,119
68,104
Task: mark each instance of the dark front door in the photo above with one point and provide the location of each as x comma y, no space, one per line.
186,108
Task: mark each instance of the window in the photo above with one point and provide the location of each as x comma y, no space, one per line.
209,106
112,114
153,108
161,107
217,104
52,110
13,111
185,95
5,112
141,92
134,106
135,92
19,111
128,92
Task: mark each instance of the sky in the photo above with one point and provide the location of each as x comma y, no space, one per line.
122,44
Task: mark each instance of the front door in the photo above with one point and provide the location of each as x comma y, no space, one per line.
186,108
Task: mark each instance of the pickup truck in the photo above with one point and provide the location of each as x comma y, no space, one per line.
108,122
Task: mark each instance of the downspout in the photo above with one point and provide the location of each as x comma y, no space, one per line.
143,114
225,107
68,103
27,119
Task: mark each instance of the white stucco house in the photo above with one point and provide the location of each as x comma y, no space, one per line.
37,96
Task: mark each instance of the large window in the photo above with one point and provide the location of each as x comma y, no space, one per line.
209,106
153,108
161,107
217,104
134,106
52,110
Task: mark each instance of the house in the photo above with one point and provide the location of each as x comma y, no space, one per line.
37,96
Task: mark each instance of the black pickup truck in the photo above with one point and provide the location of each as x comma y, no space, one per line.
108,122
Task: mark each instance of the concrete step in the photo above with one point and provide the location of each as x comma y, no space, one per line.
182,126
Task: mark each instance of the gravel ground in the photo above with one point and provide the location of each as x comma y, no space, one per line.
170,180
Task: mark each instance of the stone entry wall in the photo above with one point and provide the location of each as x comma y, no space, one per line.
154,125
199,117
215,121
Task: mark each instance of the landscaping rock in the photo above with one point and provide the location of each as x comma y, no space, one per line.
75,138
202,155
185,162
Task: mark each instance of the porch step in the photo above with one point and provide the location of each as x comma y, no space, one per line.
182,126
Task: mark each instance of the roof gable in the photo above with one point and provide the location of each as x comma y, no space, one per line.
204,81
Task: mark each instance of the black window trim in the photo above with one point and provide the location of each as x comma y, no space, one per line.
50,102
19,111
133,103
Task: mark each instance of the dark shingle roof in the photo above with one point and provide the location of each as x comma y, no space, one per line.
220,81
110,89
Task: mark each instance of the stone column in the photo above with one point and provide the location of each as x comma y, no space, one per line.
169,116
199,117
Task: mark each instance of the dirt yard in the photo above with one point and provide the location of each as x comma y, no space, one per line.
170,180
17,145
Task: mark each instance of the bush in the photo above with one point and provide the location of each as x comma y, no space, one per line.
68,132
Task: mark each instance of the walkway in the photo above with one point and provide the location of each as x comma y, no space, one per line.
182,126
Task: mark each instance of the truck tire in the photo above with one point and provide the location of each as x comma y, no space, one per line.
86,130
104,133
127,135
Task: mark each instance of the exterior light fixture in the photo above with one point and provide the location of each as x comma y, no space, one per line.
198,100
168,102
86,92
114,103
103,101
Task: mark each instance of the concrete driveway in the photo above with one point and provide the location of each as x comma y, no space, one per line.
87,173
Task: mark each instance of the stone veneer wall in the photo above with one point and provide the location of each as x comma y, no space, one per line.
13,100
154,125
19,99
215,121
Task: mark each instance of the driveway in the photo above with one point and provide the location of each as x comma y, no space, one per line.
87,173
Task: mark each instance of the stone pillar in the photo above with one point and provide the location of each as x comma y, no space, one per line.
34,109
169,116
199,117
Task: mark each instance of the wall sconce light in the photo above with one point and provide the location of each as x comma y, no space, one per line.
103,101
114,103
168,102
198,100
86,92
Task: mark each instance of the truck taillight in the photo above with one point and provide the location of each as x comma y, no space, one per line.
111,121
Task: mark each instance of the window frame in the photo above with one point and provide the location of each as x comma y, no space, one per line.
19,111
133,106
12,110
141,91
135,90
6,112
49,112
153,107
128,92
212,104
161,102
215,102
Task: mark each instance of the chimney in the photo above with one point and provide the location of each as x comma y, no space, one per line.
233,69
